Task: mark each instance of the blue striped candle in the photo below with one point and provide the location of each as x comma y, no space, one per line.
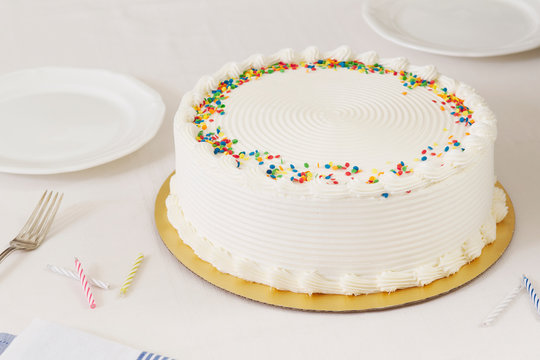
532,293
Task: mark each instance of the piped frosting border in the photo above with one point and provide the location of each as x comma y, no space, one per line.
481,134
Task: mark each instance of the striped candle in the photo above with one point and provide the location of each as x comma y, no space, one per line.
503,305
131,275
85,286
73,275
532,293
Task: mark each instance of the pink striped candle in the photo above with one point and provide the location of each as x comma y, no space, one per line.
85,285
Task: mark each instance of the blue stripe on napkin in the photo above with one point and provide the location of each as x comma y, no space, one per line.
151,356
5,340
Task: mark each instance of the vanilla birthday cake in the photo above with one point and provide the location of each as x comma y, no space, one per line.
334,172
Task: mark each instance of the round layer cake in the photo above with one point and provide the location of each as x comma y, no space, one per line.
334,172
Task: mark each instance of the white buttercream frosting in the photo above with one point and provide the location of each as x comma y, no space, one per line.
310,280
420,206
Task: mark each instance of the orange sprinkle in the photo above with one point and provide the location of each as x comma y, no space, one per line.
404,93
442,108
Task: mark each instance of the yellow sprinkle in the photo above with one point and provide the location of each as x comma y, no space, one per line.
445,129
374,171
416,159
439,155
435,144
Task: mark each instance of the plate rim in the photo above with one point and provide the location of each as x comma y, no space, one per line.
388,35
135,143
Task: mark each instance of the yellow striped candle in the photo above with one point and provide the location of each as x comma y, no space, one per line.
131,275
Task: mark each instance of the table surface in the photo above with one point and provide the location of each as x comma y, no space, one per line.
107,214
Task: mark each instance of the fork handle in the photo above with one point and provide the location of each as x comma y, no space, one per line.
6,252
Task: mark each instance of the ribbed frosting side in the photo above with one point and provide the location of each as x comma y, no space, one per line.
345,280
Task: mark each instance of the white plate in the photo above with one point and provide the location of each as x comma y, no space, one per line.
55,120
470,28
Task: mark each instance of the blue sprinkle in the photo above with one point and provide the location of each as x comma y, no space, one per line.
269,171
327,166
424,158
384,195
430,148
446,148
292,166
262,162
272,166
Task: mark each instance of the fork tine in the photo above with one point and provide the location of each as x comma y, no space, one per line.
30,219
48,220
36,219
41,221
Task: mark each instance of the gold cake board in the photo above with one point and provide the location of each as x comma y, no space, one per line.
329,302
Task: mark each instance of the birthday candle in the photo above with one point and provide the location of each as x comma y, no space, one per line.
131,275
84,283
72,274
502,305
532,293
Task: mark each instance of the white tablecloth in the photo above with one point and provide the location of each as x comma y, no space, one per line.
107,214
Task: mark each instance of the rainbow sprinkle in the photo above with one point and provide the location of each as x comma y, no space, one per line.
213,106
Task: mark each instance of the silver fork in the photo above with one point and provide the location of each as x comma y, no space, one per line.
37,225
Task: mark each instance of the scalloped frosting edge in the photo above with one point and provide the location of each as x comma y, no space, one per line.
311,281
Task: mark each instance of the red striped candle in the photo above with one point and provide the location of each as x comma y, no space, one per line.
85,285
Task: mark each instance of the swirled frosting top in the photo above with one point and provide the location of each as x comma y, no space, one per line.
338,122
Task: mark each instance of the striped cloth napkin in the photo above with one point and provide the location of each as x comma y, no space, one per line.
49,341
